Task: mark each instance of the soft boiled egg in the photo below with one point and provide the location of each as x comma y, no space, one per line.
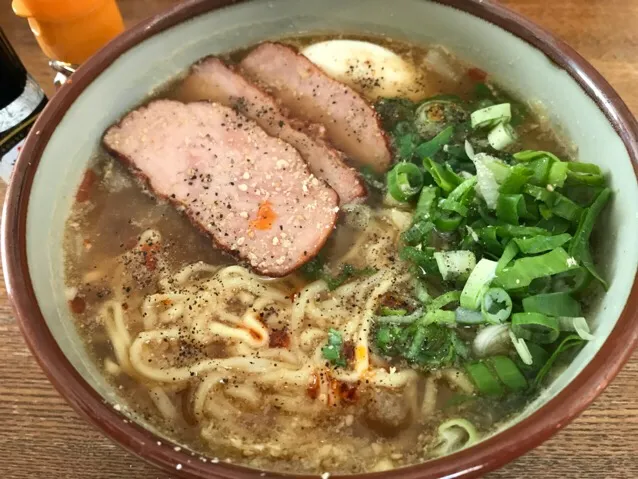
372,70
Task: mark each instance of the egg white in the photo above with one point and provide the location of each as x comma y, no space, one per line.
371,69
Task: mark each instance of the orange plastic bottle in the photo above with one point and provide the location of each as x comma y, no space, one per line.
71,30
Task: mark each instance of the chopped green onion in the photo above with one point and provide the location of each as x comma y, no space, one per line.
579,248
422,258
578,324
522,271
454,434
405,180
557,174
467,316
521,348
541,168
455,264
530,155
421,292
552,304
501,136
401,318
479,280
438,316
483,379
418,233
569,342
572,282
508,231
507,372
447,222
491,116
585,173
560,205
333,351
510,207
490,172
432,147
535,327
459,199
509,253
488,239
496,305
538,357
443,176
385,311
427,202
540,244
518,176
445,299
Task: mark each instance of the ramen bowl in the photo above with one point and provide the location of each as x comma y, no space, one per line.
519,55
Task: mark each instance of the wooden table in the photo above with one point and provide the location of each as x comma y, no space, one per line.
42,437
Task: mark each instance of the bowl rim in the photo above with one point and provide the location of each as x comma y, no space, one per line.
472,462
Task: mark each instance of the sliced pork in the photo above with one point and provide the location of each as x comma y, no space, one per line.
251,192
211,79
351,123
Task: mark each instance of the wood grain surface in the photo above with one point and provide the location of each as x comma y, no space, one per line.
42,437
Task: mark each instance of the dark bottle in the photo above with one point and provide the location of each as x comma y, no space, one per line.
21,101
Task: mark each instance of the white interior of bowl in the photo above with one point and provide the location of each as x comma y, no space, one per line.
517,66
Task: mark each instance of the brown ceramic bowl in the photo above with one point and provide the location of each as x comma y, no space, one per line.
520,55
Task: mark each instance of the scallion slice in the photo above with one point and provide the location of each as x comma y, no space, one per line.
510,207
579,247
459,199
552,304
509,253
491,116
541,244
507,372
401,318
501,136
557,174
496,305
405,180
535,327
454,434
443,300
569,342
484,379
492,339
385,311
455,264
430,148
438,316
479,280
521,348
522,271
578,324
467,316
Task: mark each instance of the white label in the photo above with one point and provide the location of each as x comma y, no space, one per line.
9,160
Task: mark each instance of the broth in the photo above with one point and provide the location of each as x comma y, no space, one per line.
146,287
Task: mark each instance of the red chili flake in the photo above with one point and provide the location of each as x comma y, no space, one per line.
279,338
77,305
477,74
86,187
125,306
313,386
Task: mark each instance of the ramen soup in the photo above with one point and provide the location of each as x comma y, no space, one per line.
332,255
